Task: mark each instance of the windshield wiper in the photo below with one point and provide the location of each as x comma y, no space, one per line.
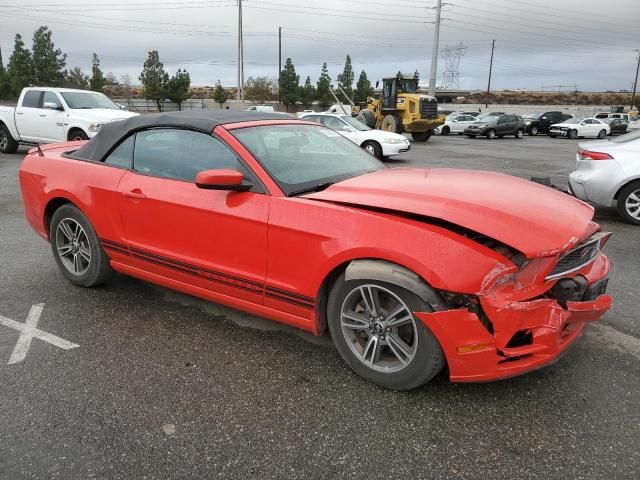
315,188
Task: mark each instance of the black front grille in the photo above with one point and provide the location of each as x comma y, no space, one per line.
428,108
583,254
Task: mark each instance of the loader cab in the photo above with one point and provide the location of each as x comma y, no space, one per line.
391,87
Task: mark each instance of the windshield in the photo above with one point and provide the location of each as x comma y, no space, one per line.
357,124
88,100
629,137
303,158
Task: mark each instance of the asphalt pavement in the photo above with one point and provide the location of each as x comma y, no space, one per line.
155,384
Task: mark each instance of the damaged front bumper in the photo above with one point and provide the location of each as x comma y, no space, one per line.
506,338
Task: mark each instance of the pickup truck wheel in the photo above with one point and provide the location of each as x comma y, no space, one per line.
7,143
533,131
77,135
76,248
374,330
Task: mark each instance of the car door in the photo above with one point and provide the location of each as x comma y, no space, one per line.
502,127
51,118
28,115
457,124
211,239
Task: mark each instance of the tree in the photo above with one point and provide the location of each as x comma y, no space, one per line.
289,84
154,79
77,79
259,89
220,94
97,78
5,84
323,93
307,93
48,61
20,67
178,87
345,80
363,88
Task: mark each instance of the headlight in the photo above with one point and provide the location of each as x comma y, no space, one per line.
394,140
527,122
94,127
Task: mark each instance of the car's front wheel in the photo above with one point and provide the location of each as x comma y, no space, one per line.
76,248
491,134
374,330
519,133
572,134
628,203
534,131
373,148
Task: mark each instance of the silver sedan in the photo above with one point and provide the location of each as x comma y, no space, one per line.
608,173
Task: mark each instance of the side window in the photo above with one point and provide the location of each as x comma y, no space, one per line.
122,155
181,154
601,115
51,97
31,99
334,123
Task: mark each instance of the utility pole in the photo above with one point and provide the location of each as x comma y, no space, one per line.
240,92
493,46
635,82
279,62
434,52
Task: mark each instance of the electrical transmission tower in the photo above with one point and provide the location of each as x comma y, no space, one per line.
451,74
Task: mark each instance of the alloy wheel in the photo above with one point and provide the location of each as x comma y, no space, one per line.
4,141
369,148
72,245
632,204
379,328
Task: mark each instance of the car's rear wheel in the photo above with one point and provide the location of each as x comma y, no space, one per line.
533,131
628,203
602,133
572,134
376,333
7,143
76,248
519,133
491,134
373,148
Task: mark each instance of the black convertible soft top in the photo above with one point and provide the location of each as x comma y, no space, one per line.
110,134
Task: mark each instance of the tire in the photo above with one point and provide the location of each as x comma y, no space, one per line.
71,234
533,132
491,134
602,133
628,203
7,143
373,148
421,136
519,133
391,123
367,117
77,135
573,134
445,130
422,356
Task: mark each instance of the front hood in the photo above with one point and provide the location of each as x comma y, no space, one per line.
534,219
102,115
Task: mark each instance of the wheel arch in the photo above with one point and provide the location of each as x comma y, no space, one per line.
75,128
624,185
52,205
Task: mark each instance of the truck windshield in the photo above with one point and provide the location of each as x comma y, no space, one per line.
82,100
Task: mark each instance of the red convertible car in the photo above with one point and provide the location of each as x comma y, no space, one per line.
410,270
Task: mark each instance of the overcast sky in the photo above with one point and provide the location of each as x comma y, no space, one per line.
588,43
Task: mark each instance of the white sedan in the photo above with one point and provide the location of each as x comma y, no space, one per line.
607,173
378,143
580,127
455,124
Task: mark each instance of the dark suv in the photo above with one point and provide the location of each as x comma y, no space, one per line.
494,126
540,122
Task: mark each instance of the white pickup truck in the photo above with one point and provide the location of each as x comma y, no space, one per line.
47,115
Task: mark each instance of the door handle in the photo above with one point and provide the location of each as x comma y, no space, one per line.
136,193
19,113
43,115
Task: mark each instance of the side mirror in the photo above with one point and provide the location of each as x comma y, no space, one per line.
51,106
222,179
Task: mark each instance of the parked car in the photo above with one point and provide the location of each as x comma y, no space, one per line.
493,126
580,127
45,115
605,115
304,112
288,220
455,124
481,116
541,121
608,173
617,126
378,143
261,108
